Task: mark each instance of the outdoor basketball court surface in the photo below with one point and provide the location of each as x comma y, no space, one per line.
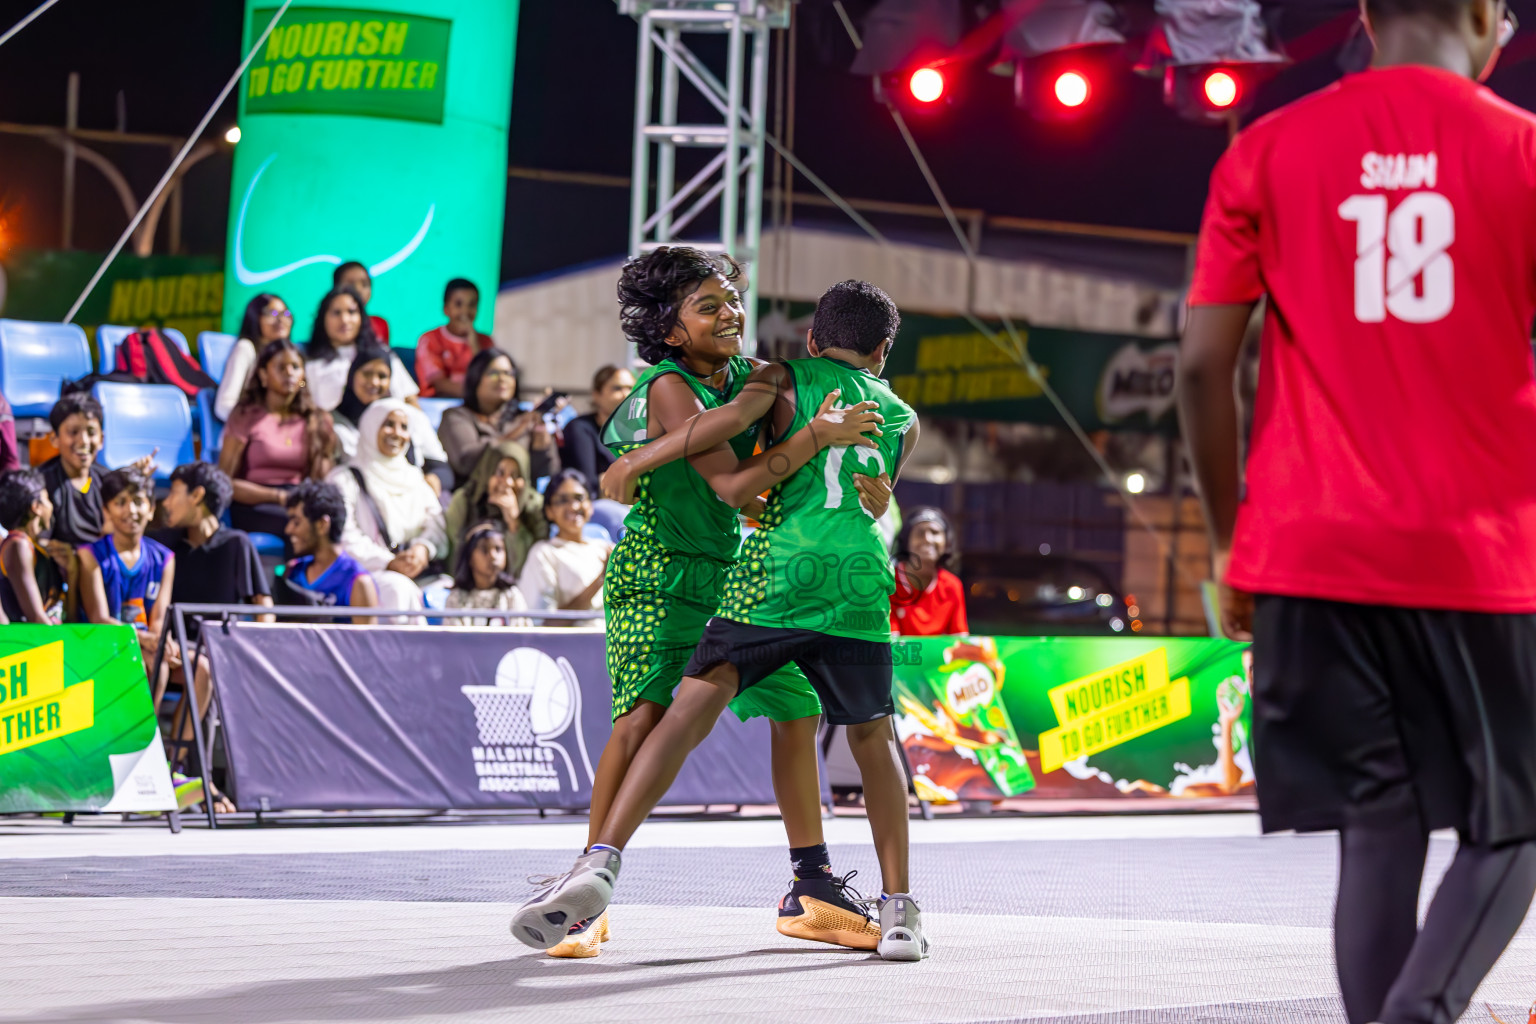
1186,918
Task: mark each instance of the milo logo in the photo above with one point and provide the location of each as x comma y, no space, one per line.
970,689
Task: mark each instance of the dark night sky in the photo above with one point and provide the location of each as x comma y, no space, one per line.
1132,164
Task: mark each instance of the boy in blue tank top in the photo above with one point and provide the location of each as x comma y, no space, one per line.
125,576
317,513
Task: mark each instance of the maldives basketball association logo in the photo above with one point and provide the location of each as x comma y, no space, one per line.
530,726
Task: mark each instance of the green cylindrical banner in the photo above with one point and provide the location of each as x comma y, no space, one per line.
378,136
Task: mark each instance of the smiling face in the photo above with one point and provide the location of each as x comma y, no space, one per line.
128,513
358,280
928,542
276,321
79,440
371,381
303,534
343,320
569,508
708,330
394,435
42,512
462,307
508,477
283,374
608,397
497,386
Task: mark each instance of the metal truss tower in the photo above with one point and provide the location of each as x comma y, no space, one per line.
732,179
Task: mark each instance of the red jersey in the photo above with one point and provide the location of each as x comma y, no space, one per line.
938,611
1391,219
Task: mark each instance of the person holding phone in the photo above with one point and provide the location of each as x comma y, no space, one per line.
490,414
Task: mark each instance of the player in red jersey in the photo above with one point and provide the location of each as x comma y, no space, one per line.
1382,545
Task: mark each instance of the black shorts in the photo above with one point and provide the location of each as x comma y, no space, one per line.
852,677
1366,713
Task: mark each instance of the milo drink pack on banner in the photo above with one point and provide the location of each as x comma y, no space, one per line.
955,728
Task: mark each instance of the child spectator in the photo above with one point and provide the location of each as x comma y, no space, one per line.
395,526
499,493
31,583
581,445
267,319
929,599
342,327
443,355
276,438
490,414
216,564
126,577
354,275
316,516
566,571
72,477
482,580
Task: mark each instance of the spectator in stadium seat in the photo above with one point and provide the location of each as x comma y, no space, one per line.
317,515
581,445
267,319
499,492
215,564
566,571
368,380
341,327
395,525
482,579
443,355
490,414
276,439
354,275
31,582
929,599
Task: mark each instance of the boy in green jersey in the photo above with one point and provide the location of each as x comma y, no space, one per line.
812,587
664,580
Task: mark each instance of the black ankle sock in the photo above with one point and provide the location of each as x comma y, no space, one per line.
810,862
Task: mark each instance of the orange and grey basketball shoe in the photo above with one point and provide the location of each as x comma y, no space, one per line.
823,908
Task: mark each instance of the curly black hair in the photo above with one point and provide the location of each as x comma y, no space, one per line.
652,289
855,315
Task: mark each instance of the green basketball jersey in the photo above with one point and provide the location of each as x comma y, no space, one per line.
674,505
819,561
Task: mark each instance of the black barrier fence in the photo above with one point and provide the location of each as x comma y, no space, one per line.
343,717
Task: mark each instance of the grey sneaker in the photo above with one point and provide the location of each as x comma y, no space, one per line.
901,929
575,898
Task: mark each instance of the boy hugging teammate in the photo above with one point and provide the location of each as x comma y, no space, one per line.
812,587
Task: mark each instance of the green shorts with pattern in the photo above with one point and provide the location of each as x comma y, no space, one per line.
657,602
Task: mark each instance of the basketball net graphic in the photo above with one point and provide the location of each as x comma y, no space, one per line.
536,700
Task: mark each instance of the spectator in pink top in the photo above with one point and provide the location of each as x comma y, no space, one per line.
443,355
9,456
276,439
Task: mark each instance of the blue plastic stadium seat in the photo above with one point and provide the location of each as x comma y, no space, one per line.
209,427
139,418
610,515
109,336
435,407
267,544
213,350
35,358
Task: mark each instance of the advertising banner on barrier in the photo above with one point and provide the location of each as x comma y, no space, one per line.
984,718
355,717
77,726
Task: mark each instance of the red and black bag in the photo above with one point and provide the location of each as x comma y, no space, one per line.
147,355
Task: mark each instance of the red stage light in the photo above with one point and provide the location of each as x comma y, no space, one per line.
1071,89
1220,89
926,85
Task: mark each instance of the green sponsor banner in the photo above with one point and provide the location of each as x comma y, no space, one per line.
77,727
945,367
184,292
1079,717
395,158
354,61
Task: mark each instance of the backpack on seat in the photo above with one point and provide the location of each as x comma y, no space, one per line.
148,357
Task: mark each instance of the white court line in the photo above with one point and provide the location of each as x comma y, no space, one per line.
43,841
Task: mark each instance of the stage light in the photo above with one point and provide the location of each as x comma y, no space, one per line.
233,135
1135,483
1220,89
926,85
1071,89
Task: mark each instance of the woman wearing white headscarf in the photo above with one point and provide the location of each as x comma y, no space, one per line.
395,526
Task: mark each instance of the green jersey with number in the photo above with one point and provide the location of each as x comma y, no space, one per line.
819,561
674,505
